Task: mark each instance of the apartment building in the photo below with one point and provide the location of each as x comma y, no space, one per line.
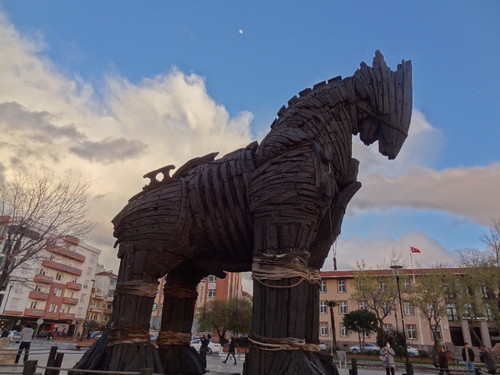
54,292
209,288
340,286
101,300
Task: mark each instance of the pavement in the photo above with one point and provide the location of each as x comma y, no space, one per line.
40,349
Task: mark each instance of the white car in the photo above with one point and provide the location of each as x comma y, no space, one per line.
369,348
412,351
213,347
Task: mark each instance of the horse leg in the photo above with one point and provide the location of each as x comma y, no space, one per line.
177,319
125,345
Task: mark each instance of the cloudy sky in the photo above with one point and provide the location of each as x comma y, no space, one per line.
115,89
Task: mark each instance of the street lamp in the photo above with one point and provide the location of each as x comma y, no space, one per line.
409,369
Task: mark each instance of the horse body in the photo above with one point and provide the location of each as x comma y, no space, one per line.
274,208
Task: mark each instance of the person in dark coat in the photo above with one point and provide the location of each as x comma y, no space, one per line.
231,350
443,361
205,340
485,357
468,358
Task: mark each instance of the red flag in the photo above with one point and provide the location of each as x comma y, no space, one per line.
414,250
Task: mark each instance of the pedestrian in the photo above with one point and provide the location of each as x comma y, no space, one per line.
26,337
205,340
485,357
443,361
387,357
468,358
231,350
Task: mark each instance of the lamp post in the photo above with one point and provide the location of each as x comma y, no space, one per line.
409,368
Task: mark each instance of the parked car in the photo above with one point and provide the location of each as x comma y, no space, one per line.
96,335
213,347
15,336
412,351
369,348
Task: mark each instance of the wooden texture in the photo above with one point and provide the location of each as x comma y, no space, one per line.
285,196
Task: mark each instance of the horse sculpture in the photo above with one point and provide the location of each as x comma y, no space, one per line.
272,208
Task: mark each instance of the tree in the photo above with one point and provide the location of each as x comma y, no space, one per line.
429,297
331,304
362,322
480,286
233,315
37,211
377,290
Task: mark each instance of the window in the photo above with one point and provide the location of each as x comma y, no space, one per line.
386,309
485,292
211,279
488,312
406,284
342,286
451,311
363,305
343,307
468,310
387,327
383,286
322,287
58,276
57,292
448,292
322,307
408,308
211,293
411,331
343,331
366,334
323,329
53,308
82,298
33,305
437,332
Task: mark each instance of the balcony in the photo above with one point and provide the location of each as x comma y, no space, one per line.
34,312
59,250
66,316
4,219
36,294
61,267
107,311
73,286
70,301
72,240
12,312
43,279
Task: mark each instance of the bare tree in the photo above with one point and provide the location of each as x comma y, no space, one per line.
37,211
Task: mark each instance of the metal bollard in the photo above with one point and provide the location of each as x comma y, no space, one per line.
30,367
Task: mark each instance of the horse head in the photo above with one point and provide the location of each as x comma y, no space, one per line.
384,104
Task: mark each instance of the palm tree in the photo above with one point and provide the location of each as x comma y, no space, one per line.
331,304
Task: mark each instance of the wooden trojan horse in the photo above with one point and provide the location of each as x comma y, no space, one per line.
272,208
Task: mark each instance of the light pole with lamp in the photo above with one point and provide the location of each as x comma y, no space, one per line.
409,368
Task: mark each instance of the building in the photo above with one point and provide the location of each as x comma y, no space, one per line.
209,288
339,286
54,292
101,300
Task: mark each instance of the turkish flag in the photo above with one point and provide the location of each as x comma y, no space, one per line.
414,250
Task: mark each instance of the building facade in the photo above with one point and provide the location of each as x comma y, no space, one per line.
101,300
339,286
55,291
209,288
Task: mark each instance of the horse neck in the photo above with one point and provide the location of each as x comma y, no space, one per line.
322,115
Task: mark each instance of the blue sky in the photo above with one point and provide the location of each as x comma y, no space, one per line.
112,69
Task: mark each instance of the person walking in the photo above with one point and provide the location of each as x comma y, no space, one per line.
485,357
205,340
26,337
231,350
443,361
387,357
468,358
